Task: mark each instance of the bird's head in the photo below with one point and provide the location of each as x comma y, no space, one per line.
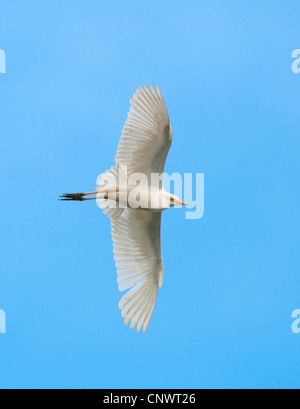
174,200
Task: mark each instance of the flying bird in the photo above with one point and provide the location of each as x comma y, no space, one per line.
135,209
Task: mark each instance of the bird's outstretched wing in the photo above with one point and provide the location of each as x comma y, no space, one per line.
147,134
136,242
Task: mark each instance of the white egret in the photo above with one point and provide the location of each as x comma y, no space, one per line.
145,141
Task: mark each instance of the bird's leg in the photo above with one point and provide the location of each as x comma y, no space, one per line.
78,196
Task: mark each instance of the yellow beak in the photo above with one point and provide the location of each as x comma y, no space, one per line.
179,202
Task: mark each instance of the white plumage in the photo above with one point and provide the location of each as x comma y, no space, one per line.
147,135
144,145
145,141
136,242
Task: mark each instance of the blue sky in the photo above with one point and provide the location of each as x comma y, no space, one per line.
223,316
